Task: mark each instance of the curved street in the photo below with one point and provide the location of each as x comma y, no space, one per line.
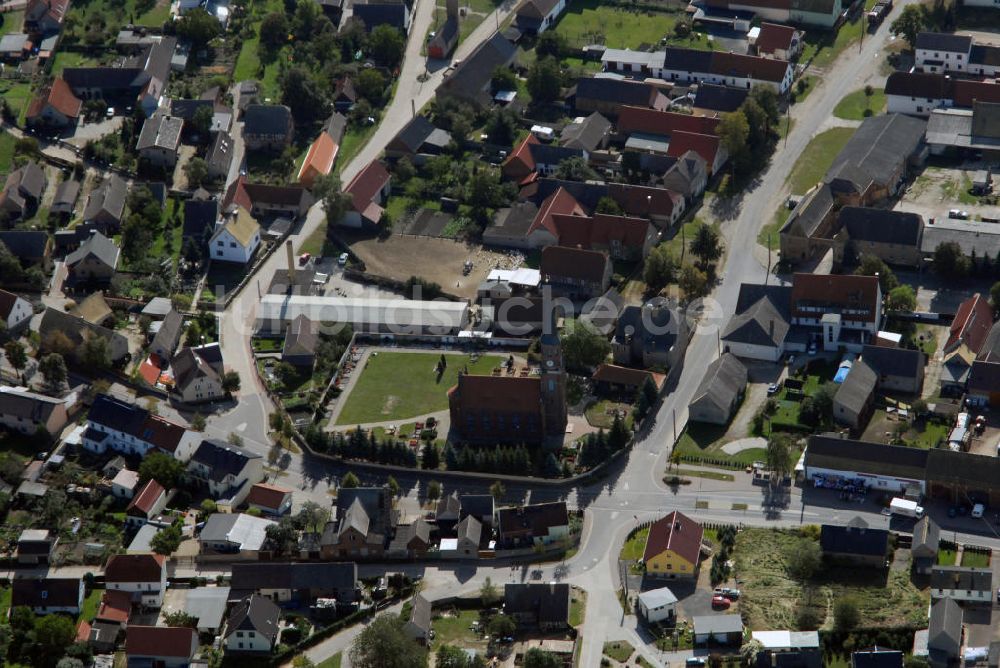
632,490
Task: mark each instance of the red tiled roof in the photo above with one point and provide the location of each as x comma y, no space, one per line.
319,160
736,64
366,185
651,121
644,201
623,375
676,532
773,37
847,290
162,433
972,323
508,394
558,203
965,92
60,96
576,263
116,607
134,568
161,641
707,146
521,156
267,496
237,194
146,499
600,229
83,632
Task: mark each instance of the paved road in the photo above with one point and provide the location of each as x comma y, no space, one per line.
633,491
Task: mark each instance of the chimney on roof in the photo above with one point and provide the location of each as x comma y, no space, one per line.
771,328
291,263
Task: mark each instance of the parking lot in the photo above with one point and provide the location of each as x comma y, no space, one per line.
937,190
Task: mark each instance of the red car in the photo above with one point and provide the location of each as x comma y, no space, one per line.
721,602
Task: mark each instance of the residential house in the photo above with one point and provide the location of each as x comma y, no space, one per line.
720,393
146,505
45,17
531,156
468,538
297,582
252,626
15,312
657,605
336,126
167,336
687,176
363,526
219,157
374,14
344,94
35,547
48,595
234,534
64,201
368,191
469,80
54,106
22,192
689,66
129,429
623,381
201,212
538,605
856,543
962,584
198,374
105,207
576,272
533,17
654,335
115,608
95,261
533,524
270,499
621,237
791,649
159,141
445,38
480,506
587,134
79,330
944,633
30,413
30,247
673,547
608,96
160,646
418,626
208,606
139,80
143,576
299,348
926,540
983,384
855,398
237,239
924,94
15,47
418,139
715,98
970,330
262,199
948,53
718,630
226,473
895,237
319,160
778,41
124,484
898,369
267,127
870,169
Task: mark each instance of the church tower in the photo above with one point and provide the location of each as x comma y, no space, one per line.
553,386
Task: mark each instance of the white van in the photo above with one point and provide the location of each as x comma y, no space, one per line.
978,510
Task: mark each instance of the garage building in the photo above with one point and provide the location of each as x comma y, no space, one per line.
395,316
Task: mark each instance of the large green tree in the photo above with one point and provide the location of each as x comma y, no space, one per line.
386,45
53,370
583,347
545,80
706,245
162,468
199,27
910,23
384,643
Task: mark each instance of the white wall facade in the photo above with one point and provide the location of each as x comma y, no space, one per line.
885,483
226,248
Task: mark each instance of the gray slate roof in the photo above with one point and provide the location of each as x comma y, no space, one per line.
894,361
940,41
255,613
588,134
857,388
882,225
160,132
98,245
108,197
724,380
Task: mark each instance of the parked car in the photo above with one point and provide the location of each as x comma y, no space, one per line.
731,594
721,602
700,660
772,389
812,348
342,260
958,214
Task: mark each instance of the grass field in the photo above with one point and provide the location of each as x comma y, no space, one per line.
17,95
772,598
332,662
619,650
817,158
64,59
455,629
589,22
12,21
975,559
946,556
854,105
7,142
577,607
354,140
634,547
375,397
90,605
769,232
248,63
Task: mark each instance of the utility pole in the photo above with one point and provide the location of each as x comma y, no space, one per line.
673,420
767,276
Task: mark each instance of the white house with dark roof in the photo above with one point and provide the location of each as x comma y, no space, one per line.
226,472
252,626
15,311
720,392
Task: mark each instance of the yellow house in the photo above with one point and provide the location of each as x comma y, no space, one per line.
673,547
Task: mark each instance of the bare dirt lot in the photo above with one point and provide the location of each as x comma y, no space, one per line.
432,259
938,189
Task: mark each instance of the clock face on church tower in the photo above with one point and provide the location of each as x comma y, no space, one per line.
548,362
